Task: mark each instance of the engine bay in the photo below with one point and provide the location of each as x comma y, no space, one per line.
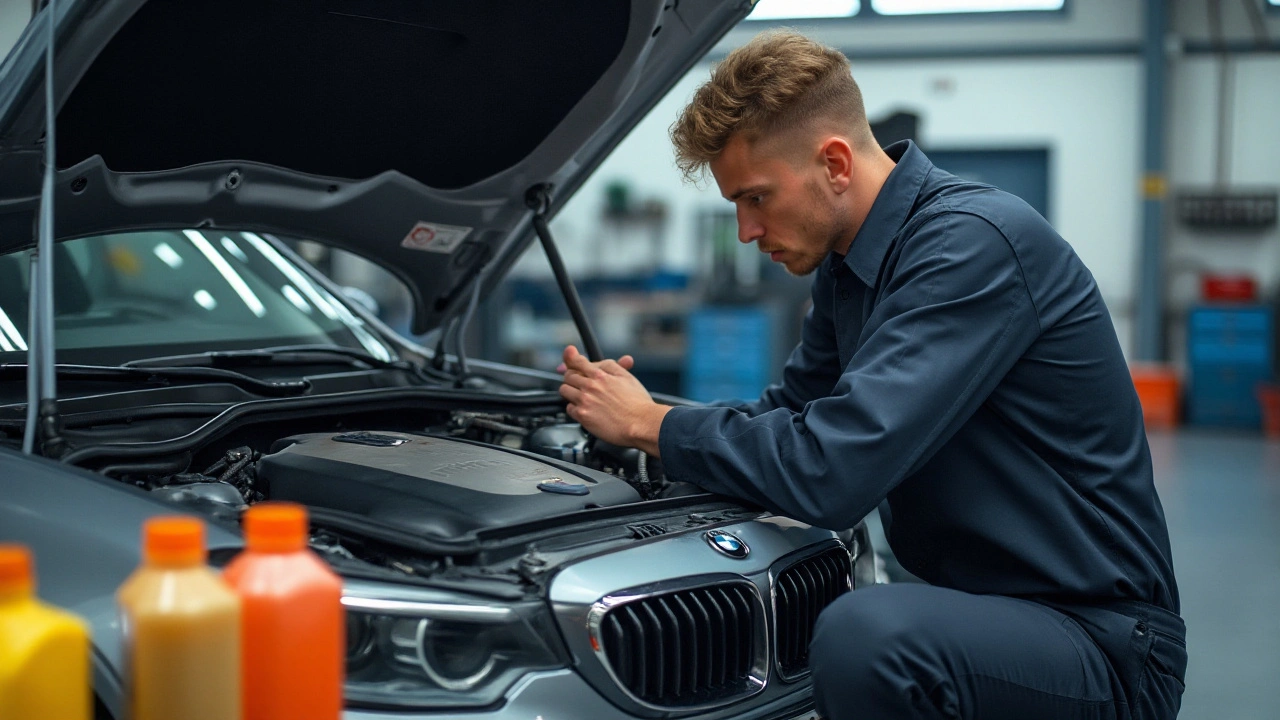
448,482
432,486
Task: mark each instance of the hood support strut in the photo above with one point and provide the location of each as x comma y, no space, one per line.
42,389
538,198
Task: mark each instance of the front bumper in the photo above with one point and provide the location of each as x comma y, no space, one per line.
564,695
590,689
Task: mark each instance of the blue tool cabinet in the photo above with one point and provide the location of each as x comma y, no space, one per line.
1229,352
728,353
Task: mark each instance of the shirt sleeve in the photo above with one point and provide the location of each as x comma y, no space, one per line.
954,317
813,367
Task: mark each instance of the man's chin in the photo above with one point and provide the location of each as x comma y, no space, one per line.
801,266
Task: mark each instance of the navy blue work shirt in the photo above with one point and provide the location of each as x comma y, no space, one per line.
958,363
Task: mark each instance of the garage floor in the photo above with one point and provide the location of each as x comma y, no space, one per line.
1221,494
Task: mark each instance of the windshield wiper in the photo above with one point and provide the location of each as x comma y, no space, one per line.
284,355
165,376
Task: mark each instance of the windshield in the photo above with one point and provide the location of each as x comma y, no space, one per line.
144,294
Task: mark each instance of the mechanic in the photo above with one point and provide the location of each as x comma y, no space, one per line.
959,370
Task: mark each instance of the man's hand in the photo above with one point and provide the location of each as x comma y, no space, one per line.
610,402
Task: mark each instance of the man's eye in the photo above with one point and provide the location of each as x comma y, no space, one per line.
757,199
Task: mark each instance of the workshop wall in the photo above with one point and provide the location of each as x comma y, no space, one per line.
1085,109
1252,141
1071,83
1191,21
1252,159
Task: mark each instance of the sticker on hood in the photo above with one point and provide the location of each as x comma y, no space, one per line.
434,237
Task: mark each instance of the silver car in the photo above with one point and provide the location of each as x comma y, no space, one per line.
497,561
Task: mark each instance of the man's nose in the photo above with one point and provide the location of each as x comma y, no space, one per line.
749,230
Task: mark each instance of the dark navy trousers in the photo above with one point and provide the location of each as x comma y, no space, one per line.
893,652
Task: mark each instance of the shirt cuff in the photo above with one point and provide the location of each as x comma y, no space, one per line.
677,438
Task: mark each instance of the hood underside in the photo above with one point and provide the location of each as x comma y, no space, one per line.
404,131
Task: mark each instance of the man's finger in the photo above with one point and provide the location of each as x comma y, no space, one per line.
577,380
570,393
576,361
617,367
569,351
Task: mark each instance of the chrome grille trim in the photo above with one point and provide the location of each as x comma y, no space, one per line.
659,644
801,590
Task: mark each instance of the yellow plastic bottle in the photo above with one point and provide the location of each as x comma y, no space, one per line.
181,629
44,652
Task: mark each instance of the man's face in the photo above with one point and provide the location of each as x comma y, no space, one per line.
784,203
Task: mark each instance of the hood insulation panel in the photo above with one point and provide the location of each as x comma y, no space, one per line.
448,93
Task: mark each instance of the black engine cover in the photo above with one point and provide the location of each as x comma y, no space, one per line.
441,487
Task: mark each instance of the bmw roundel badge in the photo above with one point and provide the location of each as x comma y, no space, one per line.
727,543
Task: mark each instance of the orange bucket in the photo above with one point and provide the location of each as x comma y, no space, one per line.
1159,391
1269,399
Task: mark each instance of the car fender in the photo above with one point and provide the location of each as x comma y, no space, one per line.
85,532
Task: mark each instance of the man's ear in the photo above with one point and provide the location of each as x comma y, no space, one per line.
836,156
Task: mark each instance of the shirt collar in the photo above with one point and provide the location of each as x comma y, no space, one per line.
888,213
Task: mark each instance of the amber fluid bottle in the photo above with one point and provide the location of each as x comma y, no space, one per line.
293,625
44,652
181,629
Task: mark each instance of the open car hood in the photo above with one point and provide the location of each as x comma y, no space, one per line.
407,132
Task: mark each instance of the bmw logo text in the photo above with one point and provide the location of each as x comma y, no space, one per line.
726,543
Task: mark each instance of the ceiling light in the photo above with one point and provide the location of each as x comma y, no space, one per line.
928,7
793,9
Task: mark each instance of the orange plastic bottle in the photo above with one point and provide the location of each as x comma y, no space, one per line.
294,627
44,652
181,629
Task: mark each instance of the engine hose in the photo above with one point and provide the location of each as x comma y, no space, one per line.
168,466
642,470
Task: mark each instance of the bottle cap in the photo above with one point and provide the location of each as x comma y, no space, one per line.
15,569
276,527
173,541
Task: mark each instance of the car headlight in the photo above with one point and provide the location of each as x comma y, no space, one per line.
443,654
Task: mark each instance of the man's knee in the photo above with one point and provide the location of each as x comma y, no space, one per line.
920,651
868,653
857,635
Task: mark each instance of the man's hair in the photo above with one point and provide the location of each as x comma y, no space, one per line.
780,80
